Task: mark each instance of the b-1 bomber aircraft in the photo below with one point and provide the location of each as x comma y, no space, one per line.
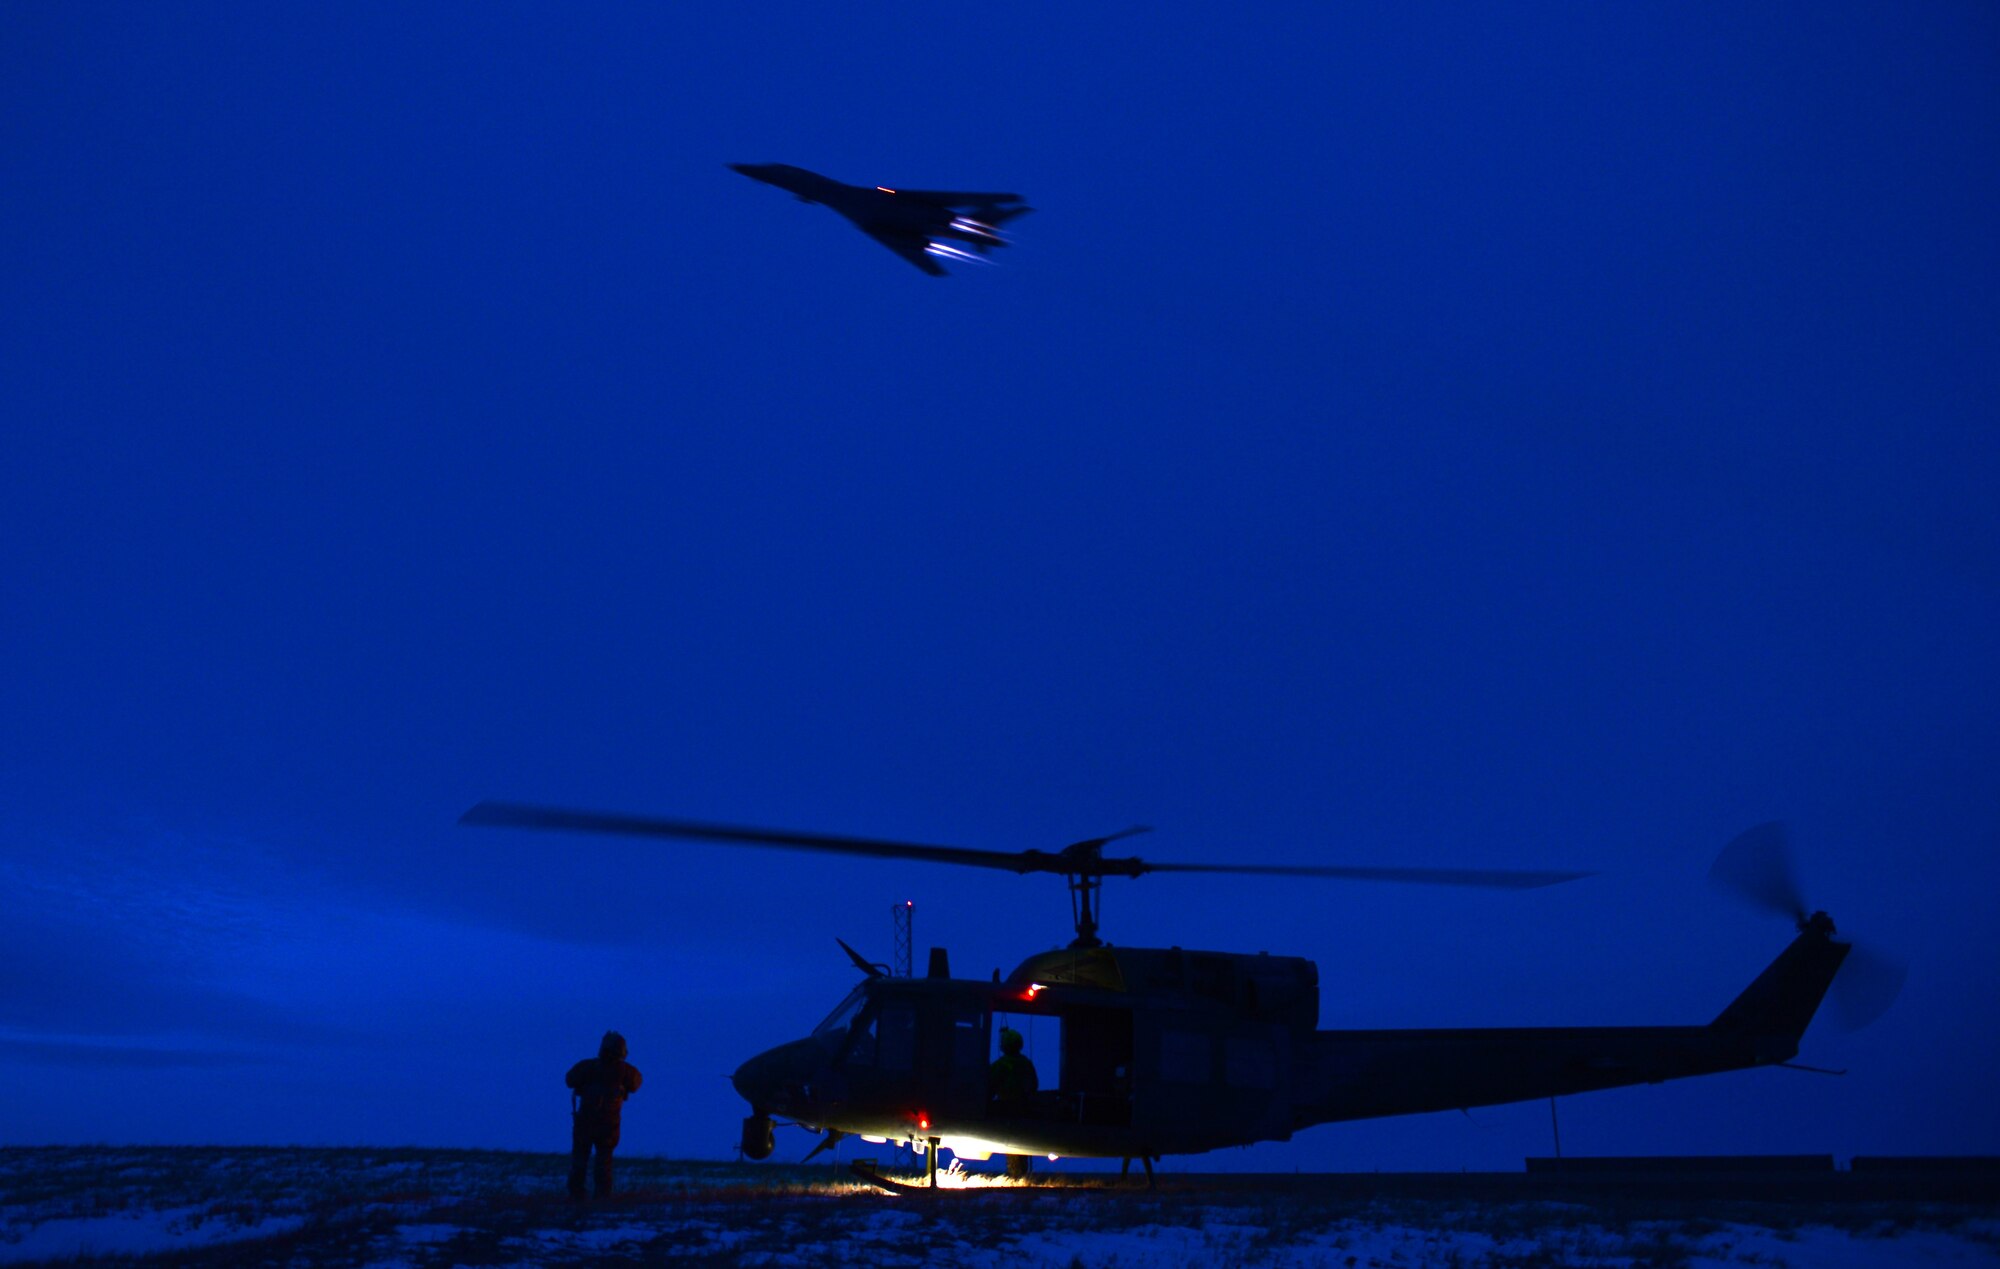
924,226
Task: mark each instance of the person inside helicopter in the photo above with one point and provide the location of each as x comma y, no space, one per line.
1011,1085
1011,1082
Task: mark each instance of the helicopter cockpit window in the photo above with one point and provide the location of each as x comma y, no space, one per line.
860,1050
844,1013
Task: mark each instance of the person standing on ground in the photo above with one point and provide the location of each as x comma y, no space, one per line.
598,1089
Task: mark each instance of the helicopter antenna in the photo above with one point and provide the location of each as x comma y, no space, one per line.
862,963
901,913
1081,865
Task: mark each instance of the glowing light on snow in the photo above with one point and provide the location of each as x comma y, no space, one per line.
954,1177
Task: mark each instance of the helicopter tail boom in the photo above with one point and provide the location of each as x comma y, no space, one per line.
1781,1003
1366,1074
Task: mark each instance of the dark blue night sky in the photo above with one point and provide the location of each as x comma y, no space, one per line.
1415,435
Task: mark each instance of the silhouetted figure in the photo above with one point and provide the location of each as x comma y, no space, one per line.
598,1089
1011,1084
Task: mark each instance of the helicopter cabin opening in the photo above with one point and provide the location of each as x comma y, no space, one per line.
1149,1033
1083,1064
1120,1038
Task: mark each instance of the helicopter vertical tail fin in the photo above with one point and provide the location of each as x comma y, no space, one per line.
1781,1003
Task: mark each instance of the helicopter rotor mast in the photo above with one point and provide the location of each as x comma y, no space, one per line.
1084,870
1081,865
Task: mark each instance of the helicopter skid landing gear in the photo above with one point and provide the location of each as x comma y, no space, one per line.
1125,1168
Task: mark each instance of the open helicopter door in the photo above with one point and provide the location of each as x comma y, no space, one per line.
1083,1063
1042,1044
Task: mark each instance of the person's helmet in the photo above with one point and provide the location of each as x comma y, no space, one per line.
1010,1040
613,1047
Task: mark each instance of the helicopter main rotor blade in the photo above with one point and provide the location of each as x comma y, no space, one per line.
520,815
1079,859
1094,845
1486,878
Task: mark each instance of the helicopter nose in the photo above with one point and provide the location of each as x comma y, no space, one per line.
774,1078
759,1081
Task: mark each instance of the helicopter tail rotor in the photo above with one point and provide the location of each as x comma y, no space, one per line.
1756,867
1868,984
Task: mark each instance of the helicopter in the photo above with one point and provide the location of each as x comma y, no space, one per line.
1172,1051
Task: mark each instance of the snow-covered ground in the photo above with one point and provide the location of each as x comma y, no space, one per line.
422,1208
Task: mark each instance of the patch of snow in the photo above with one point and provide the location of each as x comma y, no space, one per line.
422,1234
596,1239
131,1234
1820,1247
892,1219
1367,1243
1144,1245
718,1237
